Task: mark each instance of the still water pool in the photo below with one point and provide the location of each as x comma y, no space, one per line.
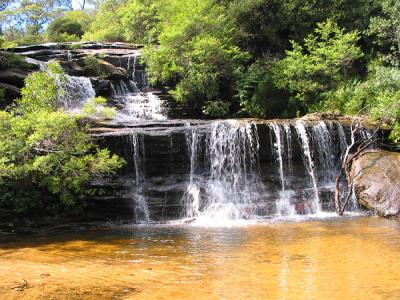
349,258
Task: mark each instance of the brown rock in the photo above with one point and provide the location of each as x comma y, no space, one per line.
14,77
376,178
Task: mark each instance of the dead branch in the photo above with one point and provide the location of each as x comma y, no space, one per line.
21,287
347,160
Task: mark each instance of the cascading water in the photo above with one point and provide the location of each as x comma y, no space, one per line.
283,204
309,164
191,198
75,92
324,151
136,104
228,178
141,210
140,106
228,186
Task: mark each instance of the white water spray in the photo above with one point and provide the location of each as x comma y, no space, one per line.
309,164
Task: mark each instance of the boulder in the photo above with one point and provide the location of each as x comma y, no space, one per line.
14,77
98,68
102,87
10,93
376,178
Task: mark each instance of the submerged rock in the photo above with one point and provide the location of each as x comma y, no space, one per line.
376,178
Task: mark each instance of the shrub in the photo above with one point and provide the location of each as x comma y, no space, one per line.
216,109
47,149
64,30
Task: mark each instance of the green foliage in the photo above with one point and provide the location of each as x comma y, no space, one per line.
41,91
216,109
106,25
96,108
140,20
378,96
46,148
258,94
68,28
385,30
61,30
320,65
267,26
197,51
12,60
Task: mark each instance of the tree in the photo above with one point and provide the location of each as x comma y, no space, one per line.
25,22
197,53
320,65
107,25
140,20
70,27
46,148
62,29
385,29
267,26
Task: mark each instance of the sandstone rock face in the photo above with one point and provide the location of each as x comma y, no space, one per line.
376,179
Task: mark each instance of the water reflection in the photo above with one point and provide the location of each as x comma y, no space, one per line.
354,258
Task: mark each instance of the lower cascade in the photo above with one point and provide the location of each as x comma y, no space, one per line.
226,183
233,170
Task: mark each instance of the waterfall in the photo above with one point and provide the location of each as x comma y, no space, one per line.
141,106
191,197
75,91
289,151
309,164
131,66
119,88
141,210
219,172
136,101
229,181
283,205
342,138
324,150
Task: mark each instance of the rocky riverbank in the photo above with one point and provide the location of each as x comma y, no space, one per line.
376,177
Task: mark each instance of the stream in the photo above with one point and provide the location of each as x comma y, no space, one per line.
332,258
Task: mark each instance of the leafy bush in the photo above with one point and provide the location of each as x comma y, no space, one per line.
96,108
62,30
69,28
197,54
41,91
46,148
258,94
320,65
216,109
106,25
140,20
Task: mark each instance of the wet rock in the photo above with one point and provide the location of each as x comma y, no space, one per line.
14,76
10,93
376,179
98,68
101,86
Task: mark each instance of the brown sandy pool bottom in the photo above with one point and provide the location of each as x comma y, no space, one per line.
351,258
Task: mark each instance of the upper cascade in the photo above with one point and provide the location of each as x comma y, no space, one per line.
111,70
